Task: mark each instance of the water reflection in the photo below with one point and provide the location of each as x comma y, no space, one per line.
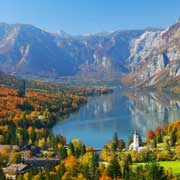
150,110
123,112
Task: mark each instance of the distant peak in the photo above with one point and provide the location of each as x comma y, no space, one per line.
3,24
178,20
153,29
62,34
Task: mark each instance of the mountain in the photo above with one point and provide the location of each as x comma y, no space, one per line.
28,49
155,58
140,57
25,48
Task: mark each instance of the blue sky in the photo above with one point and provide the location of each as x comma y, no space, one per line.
90,16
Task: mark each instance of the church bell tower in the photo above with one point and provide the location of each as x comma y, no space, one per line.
135,141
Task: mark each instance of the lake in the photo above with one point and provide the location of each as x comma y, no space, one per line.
121,112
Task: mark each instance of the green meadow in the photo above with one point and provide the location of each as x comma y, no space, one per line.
173,166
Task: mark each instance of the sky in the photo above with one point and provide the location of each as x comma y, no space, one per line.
90,16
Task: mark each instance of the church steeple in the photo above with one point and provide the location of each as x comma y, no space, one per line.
135,132
135,141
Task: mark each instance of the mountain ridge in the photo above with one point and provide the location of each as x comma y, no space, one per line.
25,48
140,57
162,63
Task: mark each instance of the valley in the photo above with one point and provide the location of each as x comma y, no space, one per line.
100,106
132,58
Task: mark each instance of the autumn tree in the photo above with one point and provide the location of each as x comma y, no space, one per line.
15,157
71,163
151,134
104,177
122,144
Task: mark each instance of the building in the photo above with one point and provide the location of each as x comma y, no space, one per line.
42,162
14,169
135,145
30,147
135,141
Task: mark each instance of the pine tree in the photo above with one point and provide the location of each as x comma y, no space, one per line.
22,89
168,147
154,145
140,141
129,159
30,174
85,171
122,144
77,151
97,174
115,142
114,169
71,147
160,139
126,170
155,172
91,171
173,137
62,153
61,171
83,150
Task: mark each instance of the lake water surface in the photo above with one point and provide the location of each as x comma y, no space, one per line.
121,112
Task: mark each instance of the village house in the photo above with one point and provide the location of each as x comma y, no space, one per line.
30,147
42,162
15,169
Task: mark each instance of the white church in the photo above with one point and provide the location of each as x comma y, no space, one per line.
135,146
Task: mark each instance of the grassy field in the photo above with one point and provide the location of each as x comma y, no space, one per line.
168,165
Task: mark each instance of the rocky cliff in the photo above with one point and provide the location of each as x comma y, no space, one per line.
155,57
142,57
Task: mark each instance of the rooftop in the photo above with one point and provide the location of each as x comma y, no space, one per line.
13,168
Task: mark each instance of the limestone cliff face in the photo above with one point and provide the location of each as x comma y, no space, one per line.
155,56
28,49
141,57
